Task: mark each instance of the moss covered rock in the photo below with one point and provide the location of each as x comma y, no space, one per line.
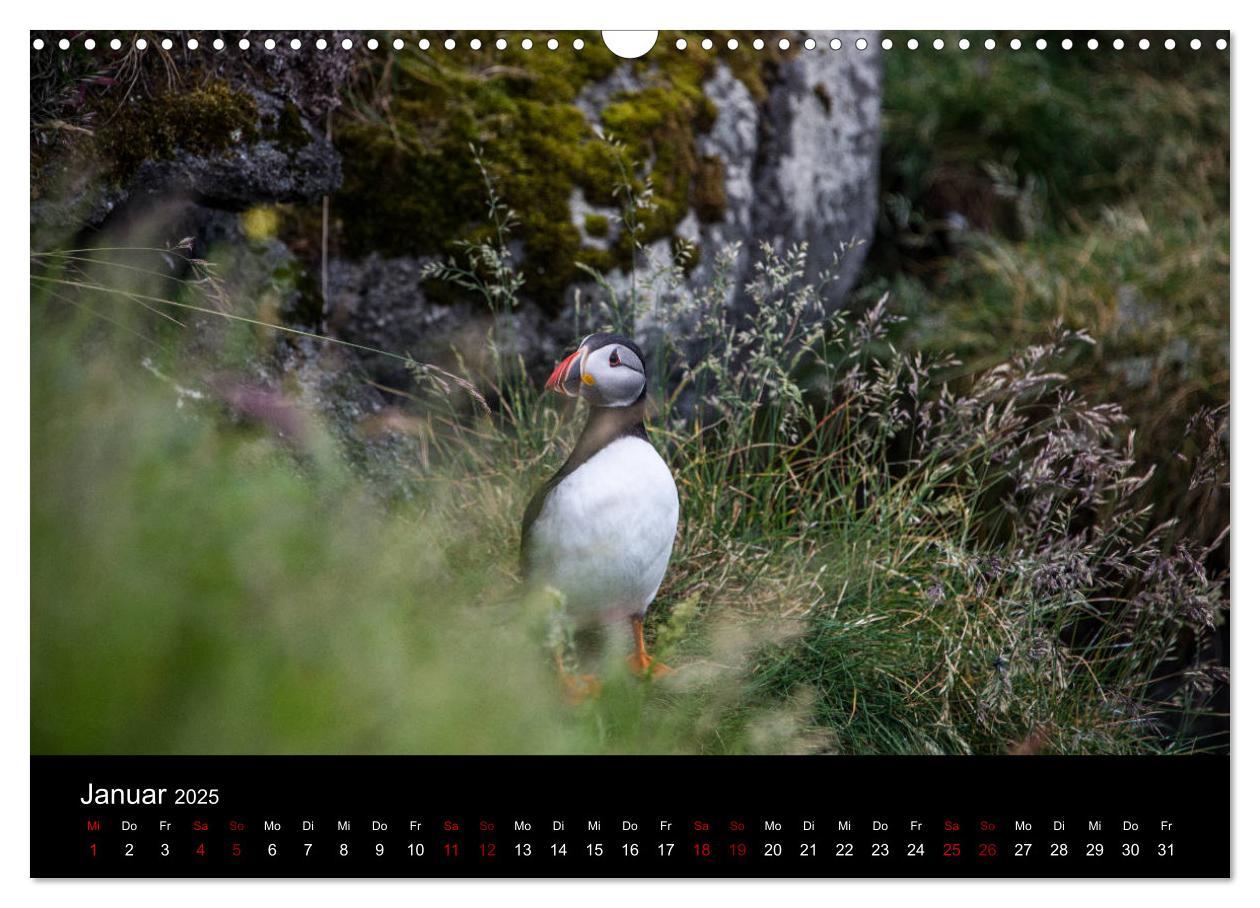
549,123
738,147
229,130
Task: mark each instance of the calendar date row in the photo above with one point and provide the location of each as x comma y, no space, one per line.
703,850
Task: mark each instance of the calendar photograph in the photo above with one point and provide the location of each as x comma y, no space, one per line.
833,393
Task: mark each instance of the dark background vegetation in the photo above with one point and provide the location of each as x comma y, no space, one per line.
1086,187
1089,188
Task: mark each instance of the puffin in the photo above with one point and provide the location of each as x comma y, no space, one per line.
601,530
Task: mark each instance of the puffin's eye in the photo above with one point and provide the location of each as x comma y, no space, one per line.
613,358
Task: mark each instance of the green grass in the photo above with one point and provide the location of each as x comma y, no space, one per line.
864,565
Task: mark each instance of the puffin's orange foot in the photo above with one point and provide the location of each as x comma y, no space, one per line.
644,666
641,664
580,688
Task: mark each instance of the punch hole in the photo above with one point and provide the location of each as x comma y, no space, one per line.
631,44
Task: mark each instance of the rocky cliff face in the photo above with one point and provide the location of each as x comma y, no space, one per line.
797,164
227,130
774,147
820,180
799,167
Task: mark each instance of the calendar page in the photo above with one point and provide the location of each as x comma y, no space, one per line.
631,454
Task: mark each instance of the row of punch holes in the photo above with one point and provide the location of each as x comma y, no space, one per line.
553,43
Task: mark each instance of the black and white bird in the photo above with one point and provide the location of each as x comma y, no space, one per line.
601,530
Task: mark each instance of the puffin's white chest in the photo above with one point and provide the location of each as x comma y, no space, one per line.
605,533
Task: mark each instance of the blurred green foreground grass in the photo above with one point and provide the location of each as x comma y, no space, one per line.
201,586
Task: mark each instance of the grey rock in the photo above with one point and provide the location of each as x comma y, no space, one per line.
381,303
820,179
80,197
244,175
310,78
734,141
579,209
593,98
803,167
328,383
258,174
262,172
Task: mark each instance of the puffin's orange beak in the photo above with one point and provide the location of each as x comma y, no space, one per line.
566,378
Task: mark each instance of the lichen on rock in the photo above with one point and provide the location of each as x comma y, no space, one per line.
548,125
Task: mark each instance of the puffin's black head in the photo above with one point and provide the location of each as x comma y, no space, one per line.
606,369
